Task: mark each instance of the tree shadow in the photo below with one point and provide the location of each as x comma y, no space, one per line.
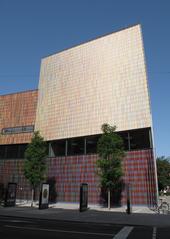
116,196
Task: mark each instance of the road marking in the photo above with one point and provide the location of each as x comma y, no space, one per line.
123,234
56,230
154,233
16,221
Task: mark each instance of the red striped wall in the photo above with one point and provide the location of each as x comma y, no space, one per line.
71,171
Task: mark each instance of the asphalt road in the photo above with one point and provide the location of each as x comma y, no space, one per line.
24,228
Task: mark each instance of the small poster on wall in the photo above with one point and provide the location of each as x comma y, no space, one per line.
44,196
10,197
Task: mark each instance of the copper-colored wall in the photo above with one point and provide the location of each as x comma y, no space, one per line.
17,109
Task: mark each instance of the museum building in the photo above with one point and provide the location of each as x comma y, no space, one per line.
100,81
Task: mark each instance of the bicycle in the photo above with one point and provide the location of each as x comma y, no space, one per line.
162,207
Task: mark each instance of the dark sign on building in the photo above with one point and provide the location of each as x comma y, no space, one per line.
10,196
83,197
44,196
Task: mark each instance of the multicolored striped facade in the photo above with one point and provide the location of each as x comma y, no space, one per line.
101,81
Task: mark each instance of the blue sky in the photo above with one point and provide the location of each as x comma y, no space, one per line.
32,29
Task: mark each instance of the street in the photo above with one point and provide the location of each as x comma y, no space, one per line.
19,228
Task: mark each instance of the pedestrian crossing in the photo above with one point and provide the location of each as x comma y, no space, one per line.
123,233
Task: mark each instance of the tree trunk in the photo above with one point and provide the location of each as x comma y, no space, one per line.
32,197
109,199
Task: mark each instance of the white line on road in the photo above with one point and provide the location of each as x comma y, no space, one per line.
154,233
16,221
123,234
56,230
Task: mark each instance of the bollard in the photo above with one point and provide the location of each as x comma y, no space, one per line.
128,210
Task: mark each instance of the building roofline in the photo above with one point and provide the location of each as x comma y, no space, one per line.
19,92
93,39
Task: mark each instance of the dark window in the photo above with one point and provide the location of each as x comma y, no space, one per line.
139,139
2,151
13,151
17,130
57,148
91,144
21,150
125,137
133,140
76,146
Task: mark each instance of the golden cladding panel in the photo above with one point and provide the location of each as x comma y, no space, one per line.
17,109
101,81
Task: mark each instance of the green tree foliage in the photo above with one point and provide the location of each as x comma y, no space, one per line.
111,152
163,171
35,161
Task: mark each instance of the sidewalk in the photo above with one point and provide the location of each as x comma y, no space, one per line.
140,216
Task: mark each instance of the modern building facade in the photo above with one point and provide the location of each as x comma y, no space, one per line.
101,81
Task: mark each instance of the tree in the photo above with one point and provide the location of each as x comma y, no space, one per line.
163,171
111,152
35,164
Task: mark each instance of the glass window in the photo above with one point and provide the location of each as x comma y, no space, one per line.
139,139
91,144
124,135
2,151
58,148
12,151
21,150
76,146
